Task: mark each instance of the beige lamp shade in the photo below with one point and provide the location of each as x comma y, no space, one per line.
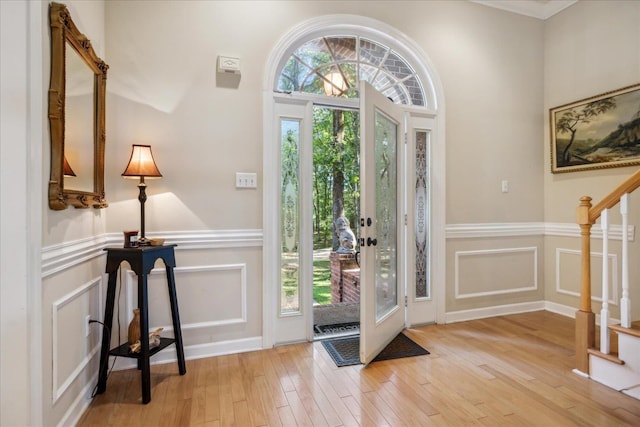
141,163
66,168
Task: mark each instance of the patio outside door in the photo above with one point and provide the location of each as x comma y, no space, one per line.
382,311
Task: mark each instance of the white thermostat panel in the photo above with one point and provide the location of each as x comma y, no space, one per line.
227,64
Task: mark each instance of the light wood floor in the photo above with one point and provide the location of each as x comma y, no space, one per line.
509,370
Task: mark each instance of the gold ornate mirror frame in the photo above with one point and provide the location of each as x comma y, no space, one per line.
65,34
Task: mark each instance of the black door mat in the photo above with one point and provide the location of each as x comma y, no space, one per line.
400,346
343,351
346,351
337,328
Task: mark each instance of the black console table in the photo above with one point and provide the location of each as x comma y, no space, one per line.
141,260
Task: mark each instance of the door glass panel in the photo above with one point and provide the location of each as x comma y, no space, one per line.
422,216
290,214
386,214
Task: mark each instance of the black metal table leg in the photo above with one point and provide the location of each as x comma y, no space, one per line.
175,316
106,333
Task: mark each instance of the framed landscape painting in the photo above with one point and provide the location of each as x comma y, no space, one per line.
598,132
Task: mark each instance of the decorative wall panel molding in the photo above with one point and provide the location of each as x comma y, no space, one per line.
63,256
131,286
56,258
573,230
468,231
217,239
60,385
529,283
596,282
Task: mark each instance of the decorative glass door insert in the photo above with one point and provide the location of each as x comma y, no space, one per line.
386,217
421,226
290,217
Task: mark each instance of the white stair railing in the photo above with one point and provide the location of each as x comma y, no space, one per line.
625,303
586,215
604,311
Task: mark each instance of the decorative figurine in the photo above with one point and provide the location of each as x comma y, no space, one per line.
345,236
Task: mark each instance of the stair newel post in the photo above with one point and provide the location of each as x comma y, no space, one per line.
625,303
585,318
604,311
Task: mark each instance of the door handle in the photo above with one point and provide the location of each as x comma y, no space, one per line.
371,241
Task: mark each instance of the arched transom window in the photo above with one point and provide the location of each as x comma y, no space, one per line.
333,66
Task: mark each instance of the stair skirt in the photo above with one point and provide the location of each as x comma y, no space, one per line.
624,378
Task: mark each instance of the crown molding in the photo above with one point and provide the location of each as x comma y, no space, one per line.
540,9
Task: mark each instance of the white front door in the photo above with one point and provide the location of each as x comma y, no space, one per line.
382,310
395,194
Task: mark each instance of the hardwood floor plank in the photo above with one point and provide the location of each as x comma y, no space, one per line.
227,413
273,380
627,417
332,396
241,414
310,391
364,416
268,402
211,403
298,410
503,371
183,413
199,405
286,416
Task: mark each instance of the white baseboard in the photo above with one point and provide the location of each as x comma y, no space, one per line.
199,351
503,310
499,310
80,404
564,310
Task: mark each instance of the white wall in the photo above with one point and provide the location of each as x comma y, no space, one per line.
72,264
20,158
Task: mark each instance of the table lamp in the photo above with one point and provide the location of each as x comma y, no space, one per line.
141,164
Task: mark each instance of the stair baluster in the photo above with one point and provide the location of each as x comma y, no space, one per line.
604,311
625,303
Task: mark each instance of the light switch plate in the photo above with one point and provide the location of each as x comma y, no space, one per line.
246,180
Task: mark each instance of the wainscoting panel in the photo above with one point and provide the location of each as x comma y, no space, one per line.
488,272
72,349
568,262
208,296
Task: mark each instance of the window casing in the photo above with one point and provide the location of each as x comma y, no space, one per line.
334,66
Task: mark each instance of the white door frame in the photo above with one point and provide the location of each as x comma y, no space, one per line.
379,31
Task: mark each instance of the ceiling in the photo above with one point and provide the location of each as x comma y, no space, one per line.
541,9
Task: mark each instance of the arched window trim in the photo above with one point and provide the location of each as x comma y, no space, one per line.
330,25
369,60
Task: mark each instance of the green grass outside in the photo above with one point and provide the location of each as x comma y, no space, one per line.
321,281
